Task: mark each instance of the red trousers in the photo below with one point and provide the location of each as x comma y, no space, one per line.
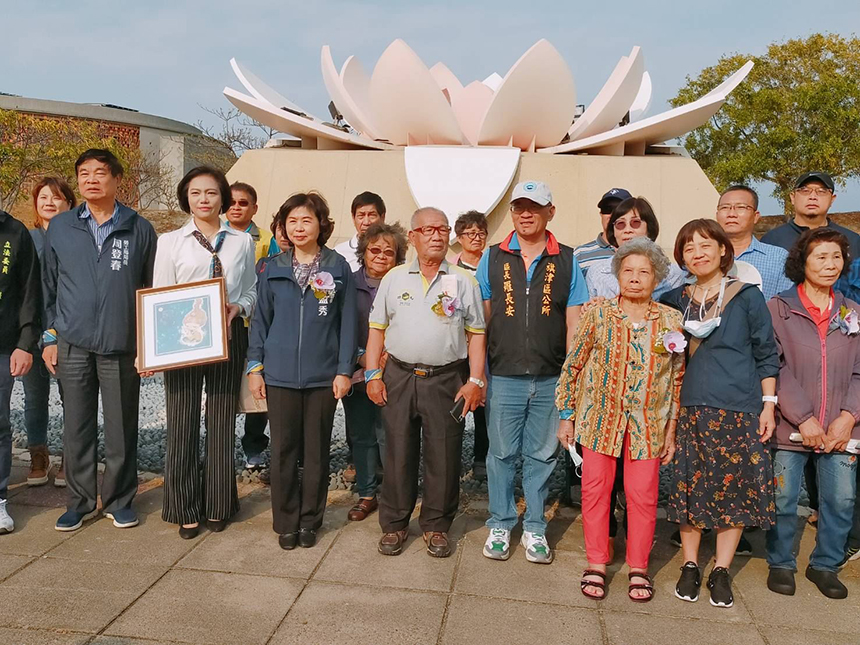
641,485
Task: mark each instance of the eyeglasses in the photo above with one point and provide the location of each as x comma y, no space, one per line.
375,250
531,207
806,191
430,231
738,208
241,203
620,224
475,235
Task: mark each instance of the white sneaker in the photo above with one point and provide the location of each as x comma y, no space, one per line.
498,545
537,549
7,525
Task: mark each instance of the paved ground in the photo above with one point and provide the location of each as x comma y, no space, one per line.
105,585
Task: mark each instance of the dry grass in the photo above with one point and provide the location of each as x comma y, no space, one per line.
849,220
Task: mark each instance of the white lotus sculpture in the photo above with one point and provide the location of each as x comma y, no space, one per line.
405,103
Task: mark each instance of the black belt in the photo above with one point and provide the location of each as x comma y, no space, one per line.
427,371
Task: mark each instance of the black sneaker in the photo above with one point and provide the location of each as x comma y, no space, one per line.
689,583
744,547
720,584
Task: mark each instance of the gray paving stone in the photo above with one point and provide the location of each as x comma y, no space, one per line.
492,620
209,607
9,564
354,558
40,637
77,596
251,546
34,530
336,613
636,629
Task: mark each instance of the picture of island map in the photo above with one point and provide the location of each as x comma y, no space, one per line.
182,325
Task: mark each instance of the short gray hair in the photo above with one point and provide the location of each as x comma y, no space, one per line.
644,247
426,209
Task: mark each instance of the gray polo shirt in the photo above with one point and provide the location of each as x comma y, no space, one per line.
416,328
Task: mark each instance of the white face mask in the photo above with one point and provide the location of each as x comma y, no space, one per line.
704,328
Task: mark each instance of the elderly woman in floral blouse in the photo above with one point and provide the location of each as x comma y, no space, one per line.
619,394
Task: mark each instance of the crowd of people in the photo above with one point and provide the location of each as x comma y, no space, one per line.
734,363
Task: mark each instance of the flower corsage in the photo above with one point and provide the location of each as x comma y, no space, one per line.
323,286
446,306
846,321
670,342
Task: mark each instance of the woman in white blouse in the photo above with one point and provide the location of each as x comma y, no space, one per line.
204,248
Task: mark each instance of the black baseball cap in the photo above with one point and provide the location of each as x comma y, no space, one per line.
823,177
616,195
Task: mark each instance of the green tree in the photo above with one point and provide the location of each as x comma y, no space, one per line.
32,146
798,110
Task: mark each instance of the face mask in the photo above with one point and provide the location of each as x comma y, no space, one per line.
704,328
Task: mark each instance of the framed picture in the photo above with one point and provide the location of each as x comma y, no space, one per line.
181,325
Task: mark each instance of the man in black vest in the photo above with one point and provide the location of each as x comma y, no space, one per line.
532,288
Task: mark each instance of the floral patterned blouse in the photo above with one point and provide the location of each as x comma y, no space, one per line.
620,379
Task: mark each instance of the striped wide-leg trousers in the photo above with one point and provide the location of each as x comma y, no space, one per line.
193,491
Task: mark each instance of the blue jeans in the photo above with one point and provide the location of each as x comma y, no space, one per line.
364,423
522,417
6,383
837,486
37,390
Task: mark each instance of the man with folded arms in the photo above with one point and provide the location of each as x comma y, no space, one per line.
427,316
600,248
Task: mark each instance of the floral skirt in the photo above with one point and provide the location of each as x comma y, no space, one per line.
722,474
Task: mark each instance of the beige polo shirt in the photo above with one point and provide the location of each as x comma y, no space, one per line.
409,309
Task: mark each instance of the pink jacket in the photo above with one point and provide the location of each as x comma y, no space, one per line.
815,379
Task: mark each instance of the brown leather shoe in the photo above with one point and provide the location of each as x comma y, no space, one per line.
392,543
60,477
39,465
349,474
437,544
362,509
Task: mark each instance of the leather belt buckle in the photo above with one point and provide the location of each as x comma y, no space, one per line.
420,372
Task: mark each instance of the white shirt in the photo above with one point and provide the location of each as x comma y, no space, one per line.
347,250
180,258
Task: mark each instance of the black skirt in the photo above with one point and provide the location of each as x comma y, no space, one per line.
722,474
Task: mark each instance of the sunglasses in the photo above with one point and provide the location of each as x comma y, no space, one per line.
375,250
241,203
620,224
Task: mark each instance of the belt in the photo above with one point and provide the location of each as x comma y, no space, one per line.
427,371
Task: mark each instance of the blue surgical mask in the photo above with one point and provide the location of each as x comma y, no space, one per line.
704,328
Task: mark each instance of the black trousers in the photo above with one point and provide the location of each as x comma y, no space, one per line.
255,441
301,422
84,374
188,498
420,408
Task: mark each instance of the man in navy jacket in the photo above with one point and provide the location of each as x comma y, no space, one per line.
96,256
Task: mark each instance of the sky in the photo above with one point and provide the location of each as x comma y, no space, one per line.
169,58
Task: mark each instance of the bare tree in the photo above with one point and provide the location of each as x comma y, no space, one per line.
236,131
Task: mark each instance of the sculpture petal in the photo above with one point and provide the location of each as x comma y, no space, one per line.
470,106
633,138
642,102
351,111
446,80
516,115
407,102
614,99
260,90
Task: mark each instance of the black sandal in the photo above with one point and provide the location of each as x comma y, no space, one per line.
591,583
648,586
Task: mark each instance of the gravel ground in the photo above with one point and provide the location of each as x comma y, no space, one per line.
151,441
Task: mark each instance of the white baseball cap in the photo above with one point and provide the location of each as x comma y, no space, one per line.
537,191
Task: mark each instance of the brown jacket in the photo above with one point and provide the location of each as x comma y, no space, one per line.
815,379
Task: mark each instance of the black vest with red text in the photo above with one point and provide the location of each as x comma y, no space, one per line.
527,333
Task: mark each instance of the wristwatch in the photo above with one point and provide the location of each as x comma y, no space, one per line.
477,381
770,399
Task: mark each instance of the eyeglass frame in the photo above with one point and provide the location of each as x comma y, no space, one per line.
738,208
638,224
808,191
442,230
